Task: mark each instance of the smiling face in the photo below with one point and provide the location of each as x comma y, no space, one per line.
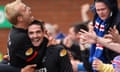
102,10
36,34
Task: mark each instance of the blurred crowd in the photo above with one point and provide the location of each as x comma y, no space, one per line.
88,46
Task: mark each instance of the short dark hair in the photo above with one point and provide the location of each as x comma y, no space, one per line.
104,1
79,26
37,22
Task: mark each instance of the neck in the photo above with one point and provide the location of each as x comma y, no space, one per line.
21,25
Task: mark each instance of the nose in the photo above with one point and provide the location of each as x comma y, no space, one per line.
100,11
34,35
29,8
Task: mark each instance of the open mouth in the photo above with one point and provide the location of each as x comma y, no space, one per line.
35,40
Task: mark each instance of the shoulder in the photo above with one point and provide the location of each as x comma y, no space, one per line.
58,49
18,35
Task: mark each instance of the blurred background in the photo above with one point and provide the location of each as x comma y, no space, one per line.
61,12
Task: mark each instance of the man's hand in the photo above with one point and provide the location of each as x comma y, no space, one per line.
29,68
67,41
84,12
115,34
88,37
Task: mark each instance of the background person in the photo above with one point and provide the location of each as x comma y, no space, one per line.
105,17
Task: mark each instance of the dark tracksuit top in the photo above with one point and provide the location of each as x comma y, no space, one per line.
56,59
22,53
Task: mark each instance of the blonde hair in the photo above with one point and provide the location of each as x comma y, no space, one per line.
11,12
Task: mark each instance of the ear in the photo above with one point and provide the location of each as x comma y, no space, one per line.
19,18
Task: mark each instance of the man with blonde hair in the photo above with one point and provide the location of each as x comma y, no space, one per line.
18,14
19,45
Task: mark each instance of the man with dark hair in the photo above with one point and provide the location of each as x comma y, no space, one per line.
73,43
47,57
55,57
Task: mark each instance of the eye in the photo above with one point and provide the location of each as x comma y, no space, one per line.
30,33
103,9
97,9
38,31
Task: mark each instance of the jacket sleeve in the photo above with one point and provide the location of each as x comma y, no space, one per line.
8,68
65,65
19,45
21,51
107,68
